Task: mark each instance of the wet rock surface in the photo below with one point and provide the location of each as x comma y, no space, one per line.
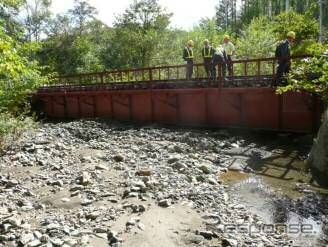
89,183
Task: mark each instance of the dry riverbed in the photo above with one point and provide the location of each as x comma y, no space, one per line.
92,183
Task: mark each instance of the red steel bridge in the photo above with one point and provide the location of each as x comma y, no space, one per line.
163,95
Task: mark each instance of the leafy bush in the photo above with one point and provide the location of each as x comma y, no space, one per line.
13,125
311,74
19,77
258,40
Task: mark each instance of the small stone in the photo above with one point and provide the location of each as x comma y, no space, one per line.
76,188
65,199
173,159
59,183
25,238
85,179
34,243
205,169
37,234
45,238
92,216
226,242
118,158
12,183
196,239
144,173
206,234
56,241
101,167
164,203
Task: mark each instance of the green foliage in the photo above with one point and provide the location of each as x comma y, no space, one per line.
305,26
258,40
138,34
311,75
18,76
13,125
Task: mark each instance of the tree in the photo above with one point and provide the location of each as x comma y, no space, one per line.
37,14
138,34
311,75
226,15
9,9
258,40
82,13
18,75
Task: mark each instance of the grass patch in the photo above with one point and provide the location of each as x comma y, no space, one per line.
12,126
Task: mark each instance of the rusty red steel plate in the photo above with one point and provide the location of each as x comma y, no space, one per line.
255,108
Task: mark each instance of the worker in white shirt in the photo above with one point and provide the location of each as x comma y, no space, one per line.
229,49
219,61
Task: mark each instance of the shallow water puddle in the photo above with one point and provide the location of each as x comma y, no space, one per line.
262,199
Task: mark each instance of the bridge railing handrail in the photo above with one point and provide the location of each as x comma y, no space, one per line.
256,67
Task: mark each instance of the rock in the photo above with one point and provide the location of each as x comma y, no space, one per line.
226,242
173,159
164,203
118,158
65,199
59,183
34,243
92,215
206,234
237,165
195,239
85,179
56,241
113,238
76,188
101,167
179,166
205,169
37,234
144,173
26,238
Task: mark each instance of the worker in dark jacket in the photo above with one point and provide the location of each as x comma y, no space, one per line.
207,54
219,61
188,56
282,54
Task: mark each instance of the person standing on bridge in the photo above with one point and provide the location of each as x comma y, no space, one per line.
188,56
229,49
207,54
282,54
219,60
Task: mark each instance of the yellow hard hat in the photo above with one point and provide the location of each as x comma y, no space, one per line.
190,43
226,36
206,41
291,35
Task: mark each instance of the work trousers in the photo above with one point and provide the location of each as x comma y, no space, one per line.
189,69
218,59
208,66
282,70
229,65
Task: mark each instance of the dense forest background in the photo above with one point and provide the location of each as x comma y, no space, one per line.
141,36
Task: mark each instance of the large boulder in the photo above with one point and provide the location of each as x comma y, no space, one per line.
318,158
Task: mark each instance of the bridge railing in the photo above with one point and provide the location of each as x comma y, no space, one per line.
244,70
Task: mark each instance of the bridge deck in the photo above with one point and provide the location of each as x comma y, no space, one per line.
163,95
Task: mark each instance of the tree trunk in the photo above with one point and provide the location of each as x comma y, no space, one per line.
318,158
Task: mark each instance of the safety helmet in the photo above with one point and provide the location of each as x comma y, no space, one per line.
291,35
226,36
190,43
206,41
